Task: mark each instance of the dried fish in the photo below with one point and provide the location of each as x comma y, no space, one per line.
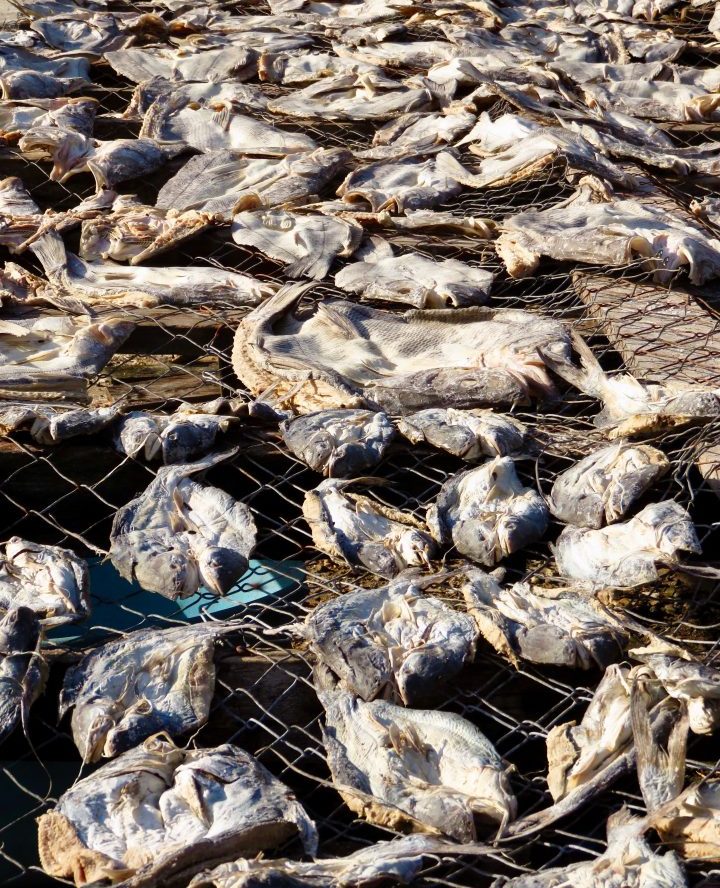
128,690
486,513
601,488
109,162
36,85
393,642
51,425
469,434
430,771
418,133
52,582
307,244
214,65
356,530
291,68
93,33
158,811
401,362
627,554
23,671
184,436
561,628
339,443
179,534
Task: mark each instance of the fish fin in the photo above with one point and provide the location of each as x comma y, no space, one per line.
589,377
334,320
223,117
312,266
50,250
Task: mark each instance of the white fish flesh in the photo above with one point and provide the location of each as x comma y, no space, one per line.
469,434
356,530
158,810
418,132
308,244
141,63
339,443
109,162
360,356
35,85
601,488
294,68
416,280
486,513
627,554
394,642
427,770
52,582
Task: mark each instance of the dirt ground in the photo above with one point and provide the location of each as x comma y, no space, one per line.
7,11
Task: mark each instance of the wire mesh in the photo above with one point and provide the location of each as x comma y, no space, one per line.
68,494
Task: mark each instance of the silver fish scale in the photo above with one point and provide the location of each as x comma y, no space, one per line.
67,493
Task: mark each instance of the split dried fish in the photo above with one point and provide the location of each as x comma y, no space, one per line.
179,534
52,582
413,279
292,68
393,642
430,771
109,162
307,244
128,690
339,443
356,530
359,356
469,434
561,628
601,488
627,554
23,671
419,132
486,513
142,63
158,811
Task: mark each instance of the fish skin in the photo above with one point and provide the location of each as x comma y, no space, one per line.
185,809
48,425
307,243
292,68
52,582
544,626
142,63
110,162
339,443
486,513
356,530
418,281
377,750
37,85
23,671
468,434
462,357
624,555
392,642
128,690
178,534
180,438
397,861
601,488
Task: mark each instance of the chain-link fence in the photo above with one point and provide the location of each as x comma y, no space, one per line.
68,494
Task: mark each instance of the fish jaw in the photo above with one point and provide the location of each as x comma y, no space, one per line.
91,726
220,568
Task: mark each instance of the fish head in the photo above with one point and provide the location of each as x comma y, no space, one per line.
91,725
70,156
184,441
139,435
415,548
220,568
166,568
19,630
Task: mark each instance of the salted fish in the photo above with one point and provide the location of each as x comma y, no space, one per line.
67,126
23,671
394,642
299,67
366,96
601,488
181,437
53,357
400,185
158,811
423,769
627,554
628,861
141,63
221,182
657,100
559,628
51,425
19,214
356,530
217,126
98,283
615,233
486,513
207,93
307,243
110,162
395,53
53,582
19,58
36,85
339,443
151,680
178,534
401,362
418,133
469,434
398,861
93,33
134,232
414,279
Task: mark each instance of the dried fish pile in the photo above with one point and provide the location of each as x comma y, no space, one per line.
375,347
